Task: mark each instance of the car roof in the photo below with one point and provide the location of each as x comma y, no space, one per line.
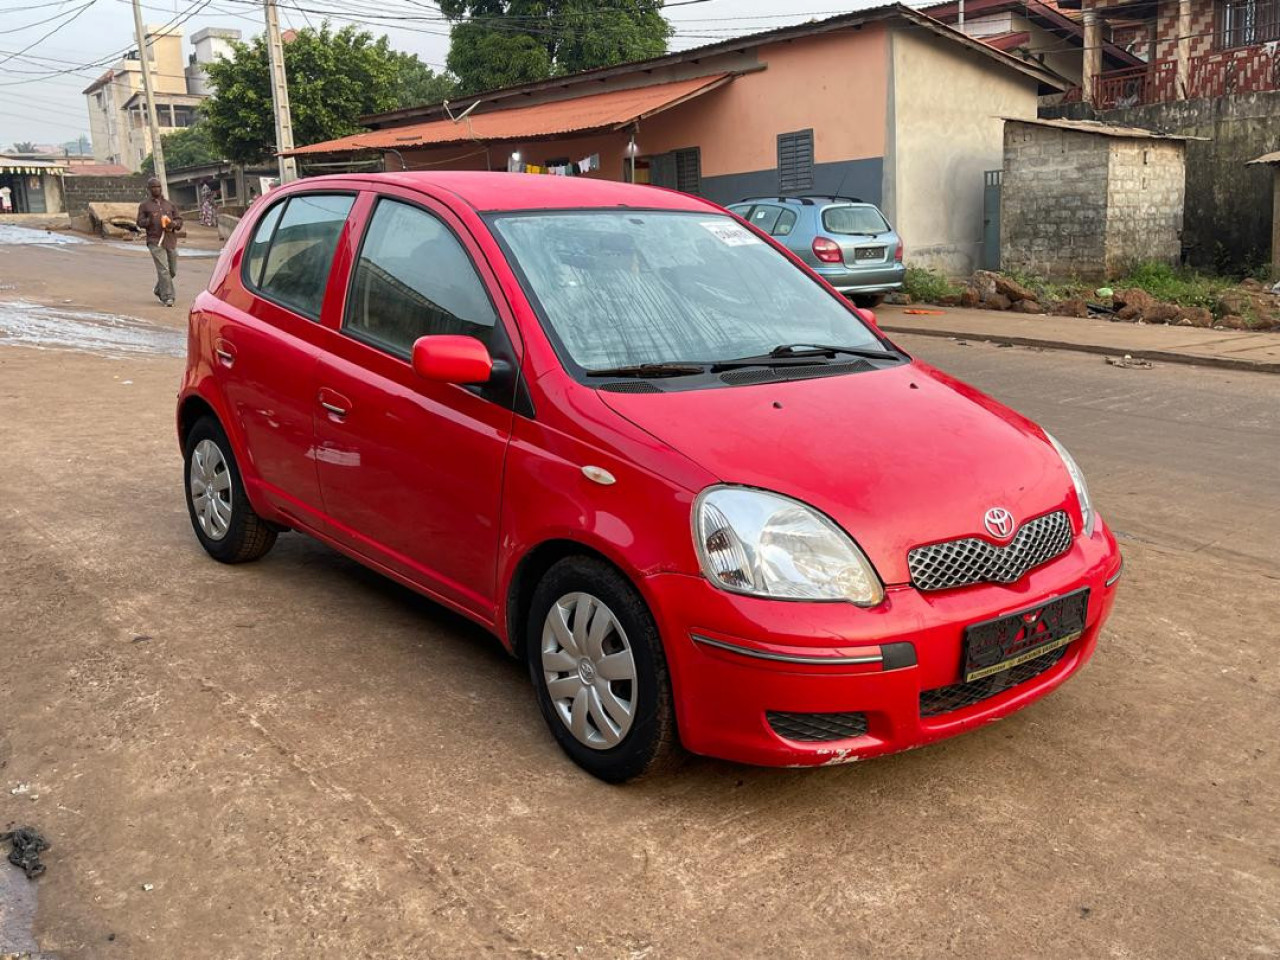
808,200
498,191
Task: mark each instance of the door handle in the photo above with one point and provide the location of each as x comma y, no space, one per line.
225,352
334,402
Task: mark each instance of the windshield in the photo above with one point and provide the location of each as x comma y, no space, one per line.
627,288
854,220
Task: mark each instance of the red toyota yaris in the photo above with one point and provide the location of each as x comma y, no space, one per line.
698,491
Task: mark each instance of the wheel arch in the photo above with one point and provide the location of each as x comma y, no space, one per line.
529,571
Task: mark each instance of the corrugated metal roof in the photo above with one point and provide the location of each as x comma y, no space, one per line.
31,167
98,170
601,111
1266,158
1102,129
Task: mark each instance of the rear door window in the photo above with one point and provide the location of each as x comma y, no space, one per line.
763,217
295,271
414,279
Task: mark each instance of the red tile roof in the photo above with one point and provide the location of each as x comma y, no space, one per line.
601,111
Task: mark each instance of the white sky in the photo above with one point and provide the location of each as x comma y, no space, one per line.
52,110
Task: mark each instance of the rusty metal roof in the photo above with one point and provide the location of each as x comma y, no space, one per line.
602,111
1266,158
1102,129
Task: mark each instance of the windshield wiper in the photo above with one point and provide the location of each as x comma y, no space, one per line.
651,370
787,355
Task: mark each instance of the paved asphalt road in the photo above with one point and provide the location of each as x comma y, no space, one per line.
299,759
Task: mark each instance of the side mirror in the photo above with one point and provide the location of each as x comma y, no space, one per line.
870,316
452,359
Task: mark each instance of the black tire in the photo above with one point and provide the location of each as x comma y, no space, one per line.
868,301
651,743
247,536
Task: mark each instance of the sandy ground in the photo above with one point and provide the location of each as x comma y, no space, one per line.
302,759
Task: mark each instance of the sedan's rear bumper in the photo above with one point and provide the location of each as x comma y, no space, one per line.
735,661
879,278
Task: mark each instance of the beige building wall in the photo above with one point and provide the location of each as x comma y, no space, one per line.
945,131
111,129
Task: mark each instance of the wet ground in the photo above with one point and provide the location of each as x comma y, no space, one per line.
297,758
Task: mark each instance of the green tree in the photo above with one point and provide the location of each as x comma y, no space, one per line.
188,147
416,83
26,146
335,77
498,43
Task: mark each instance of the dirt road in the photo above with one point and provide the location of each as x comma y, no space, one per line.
297,758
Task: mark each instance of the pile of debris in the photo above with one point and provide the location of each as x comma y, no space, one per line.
1250,306
114,221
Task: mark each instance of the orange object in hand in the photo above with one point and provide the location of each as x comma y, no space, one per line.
164,222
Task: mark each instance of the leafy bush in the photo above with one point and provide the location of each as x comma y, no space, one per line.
928,286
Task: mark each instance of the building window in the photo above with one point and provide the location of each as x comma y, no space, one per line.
1244,23
678,169
795,161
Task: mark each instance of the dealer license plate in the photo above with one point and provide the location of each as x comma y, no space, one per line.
869,253
1001,644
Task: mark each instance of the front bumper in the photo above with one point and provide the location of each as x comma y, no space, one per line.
735,659
878,278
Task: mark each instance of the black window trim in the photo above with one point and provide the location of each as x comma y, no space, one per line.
255,288
380,345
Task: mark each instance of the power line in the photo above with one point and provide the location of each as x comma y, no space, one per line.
34,43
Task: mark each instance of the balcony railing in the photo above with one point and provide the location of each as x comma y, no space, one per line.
1154,83
1218,74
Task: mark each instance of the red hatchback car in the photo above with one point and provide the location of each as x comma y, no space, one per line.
701,494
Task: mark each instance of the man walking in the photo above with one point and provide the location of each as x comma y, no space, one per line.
161,220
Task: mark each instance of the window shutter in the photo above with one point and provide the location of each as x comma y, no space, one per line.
795,161
689,170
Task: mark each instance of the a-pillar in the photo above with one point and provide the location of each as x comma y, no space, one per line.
1092,55
1183,77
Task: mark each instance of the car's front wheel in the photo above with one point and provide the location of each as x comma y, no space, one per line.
598,667
224,522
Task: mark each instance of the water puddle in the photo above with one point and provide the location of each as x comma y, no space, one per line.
13,235
25,323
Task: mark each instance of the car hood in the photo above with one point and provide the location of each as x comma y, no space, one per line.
899,457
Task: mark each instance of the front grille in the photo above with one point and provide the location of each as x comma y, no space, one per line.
957,563
959,695
817,727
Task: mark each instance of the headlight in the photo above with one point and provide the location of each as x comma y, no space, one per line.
1077,480
768,545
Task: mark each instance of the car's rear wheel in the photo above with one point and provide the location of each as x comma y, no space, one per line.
224,522
868,300
601,678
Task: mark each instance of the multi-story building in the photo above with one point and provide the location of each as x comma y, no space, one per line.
118,123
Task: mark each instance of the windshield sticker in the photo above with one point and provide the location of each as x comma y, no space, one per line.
730,233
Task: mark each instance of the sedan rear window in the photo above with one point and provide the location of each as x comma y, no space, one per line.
853,220
623,288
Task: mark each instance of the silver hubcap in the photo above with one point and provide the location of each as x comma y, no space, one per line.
210,485
589,671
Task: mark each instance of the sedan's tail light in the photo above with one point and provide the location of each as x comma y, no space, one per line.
897,253
828,251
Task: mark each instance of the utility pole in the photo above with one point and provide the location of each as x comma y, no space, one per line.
157,149
279,94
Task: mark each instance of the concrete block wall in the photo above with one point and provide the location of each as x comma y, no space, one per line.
1053,206
1146,191
79,192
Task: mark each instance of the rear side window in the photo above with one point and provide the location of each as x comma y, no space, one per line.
260,242
786,223
764,218
854,220
414,279
295,269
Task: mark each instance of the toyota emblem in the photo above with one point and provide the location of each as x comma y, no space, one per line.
999,523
